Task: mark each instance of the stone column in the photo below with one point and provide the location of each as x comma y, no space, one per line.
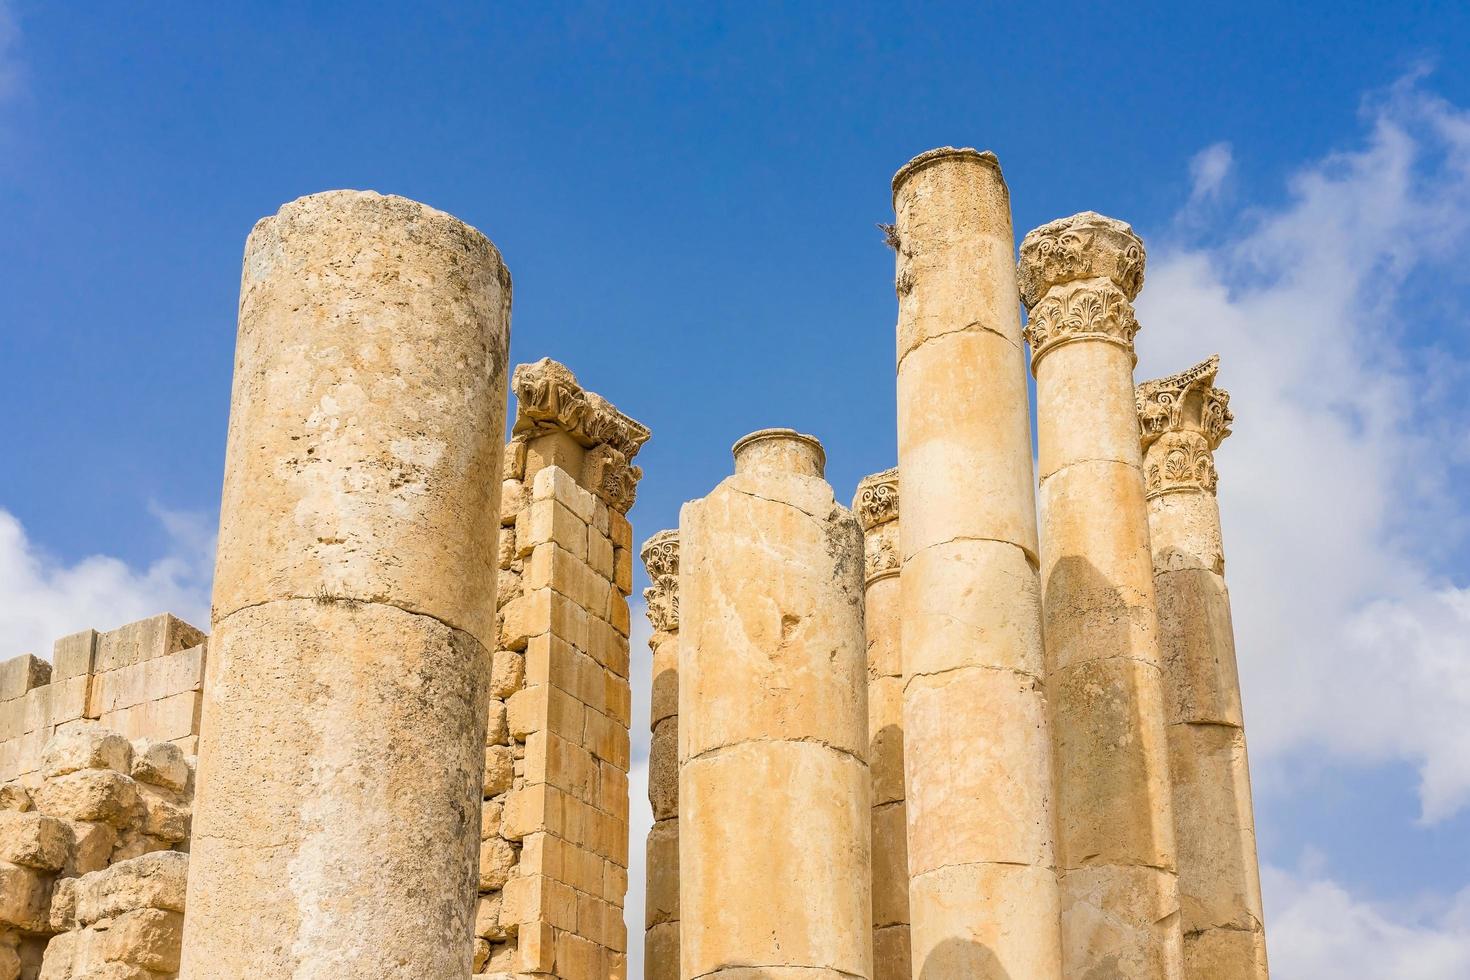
661,910
1183,418
876,507
773,782
1120,898
342,744
977,750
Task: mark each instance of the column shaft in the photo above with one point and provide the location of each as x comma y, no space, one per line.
1115,829
773,783
661,910
977,747
1183,418
876,506
342,742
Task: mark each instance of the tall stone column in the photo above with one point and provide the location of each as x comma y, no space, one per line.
660,555
977,749
773,779
1120,898
876,507
342,745
1183,418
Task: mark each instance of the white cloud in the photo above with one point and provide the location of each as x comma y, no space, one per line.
1207,172
1316,928
42,599
1338,490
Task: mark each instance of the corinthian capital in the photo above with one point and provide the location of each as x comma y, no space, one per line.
1084,246
548,398
876,507
1181,420
876,501
660,555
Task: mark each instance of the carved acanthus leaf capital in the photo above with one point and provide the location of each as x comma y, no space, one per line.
1185,401
660,555
1084,246
1084,309
876,501
1182,420
548,398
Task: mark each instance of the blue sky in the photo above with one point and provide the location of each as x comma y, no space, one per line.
686,198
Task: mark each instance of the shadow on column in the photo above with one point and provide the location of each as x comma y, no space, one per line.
962,959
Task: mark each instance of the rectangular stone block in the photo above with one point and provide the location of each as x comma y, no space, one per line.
555,483
176,716
146,639
661,897
891,953
607,739
13,719
34,840
1197,647
551,521
620,531
149,680
540,899
56,703
536,948
890,866
74,655
600,554
20,674
25,897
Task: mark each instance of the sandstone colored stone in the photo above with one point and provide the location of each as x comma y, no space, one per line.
499,770
101,795
146,639
34,840
91,747
1116,850
968,589
773,721
25,895
20,674
14,796
160,764
353,719
956,944
153,881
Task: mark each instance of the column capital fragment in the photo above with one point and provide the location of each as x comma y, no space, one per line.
660,555
549,399
1182,420
876,507
1078,278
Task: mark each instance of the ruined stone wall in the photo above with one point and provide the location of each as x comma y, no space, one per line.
91,874
142,680
554,859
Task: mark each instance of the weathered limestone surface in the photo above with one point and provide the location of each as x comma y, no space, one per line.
876,507
773,724
977,746
1078,278
342,744
660,555
553,872
142,680
1183,418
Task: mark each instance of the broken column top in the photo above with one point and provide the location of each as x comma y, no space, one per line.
1085,246
1187,401
781,451
929,157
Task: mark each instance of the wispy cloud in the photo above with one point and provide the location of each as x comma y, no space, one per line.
42,599
1208,170
1339,489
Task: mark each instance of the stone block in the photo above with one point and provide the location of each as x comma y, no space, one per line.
499,770
56,704
14,796
600,554
153,881
25,897
21,674
160,764
496,730
100,795
95,843
885,745
891,956
1197,648
148,680
164,817
149,938
555,483
73,655
661,897
890,866
1019,937
620,531
551,521
34,840
147,639
497,862
176,716
661,952
663,769
89,747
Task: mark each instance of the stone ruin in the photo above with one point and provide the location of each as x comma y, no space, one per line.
997,736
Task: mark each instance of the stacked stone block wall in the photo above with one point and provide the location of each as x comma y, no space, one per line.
554,859
91,874
142,680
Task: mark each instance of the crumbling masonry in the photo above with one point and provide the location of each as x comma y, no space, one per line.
998,736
